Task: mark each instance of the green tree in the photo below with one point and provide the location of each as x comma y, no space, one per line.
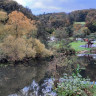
83,32
63,33
91,20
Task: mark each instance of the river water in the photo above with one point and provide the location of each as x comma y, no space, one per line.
35,78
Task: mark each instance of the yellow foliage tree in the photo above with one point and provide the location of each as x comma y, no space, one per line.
19,48
3,16
41,51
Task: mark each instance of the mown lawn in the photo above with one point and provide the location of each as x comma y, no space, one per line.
76,45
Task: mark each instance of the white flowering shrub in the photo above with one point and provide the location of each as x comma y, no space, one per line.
73,85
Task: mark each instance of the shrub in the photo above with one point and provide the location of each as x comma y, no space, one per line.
74,85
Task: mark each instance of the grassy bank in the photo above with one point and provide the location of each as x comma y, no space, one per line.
76,45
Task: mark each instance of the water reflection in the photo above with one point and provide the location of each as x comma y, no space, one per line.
88,56
12,79
35,90
33,79
90,72
31,90
88,46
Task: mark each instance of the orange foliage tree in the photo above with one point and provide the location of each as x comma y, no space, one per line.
19,25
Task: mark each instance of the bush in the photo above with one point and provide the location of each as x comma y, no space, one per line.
73,85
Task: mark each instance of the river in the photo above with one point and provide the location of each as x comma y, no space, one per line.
35,78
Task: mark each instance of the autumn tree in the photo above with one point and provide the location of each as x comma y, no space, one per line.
16,49
3,19
19,25
3,16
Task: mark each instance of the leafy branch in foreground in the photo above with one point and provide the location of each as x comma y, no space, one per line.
74,85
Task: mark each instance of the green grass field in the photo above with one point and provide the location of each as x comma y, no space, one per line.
76,45
83,23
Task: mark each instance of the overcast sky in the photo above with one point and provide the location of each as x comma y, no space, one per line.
49,6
